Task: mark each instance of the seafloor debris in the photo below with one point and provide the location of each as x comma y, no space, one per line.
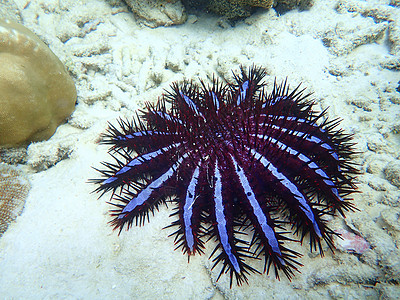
379,13
343,39
14,188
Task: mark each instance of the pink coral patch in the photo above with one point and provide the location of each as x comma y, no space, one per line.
351,242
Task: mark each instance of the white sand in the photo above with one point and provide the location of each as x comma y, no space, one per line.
62,247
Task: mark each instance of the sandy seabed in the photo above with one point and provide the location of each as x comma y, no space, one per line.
61,246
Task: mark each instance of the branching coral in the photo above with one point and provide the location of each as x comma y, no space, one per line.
36,92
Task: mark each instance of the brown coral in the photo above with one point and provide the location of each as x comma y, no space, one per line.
14,188
229,10
237,9
155,13
36,92
292,4
255,3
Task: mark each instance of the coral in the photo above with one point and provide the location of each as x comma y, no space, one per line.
14,188
154,13
351,242
292,4
37,94
255,3
237,9
228,9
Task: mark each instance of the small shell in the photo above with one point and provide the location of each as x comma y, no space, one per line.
14,188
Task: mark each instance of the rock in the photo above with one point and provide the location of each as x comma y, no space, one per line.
394,37
37,93
389,291
377,143
391,218
392,173
350,270
391,63
155,13
44,155
392,266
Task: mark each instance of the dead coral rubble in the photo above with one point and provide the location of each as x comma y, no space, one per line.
380,13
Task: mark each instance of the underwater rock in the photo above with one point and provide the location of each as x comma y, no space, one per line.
155,13
391,218
394,37
37,94
44,155
391,63
392,173
14,188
